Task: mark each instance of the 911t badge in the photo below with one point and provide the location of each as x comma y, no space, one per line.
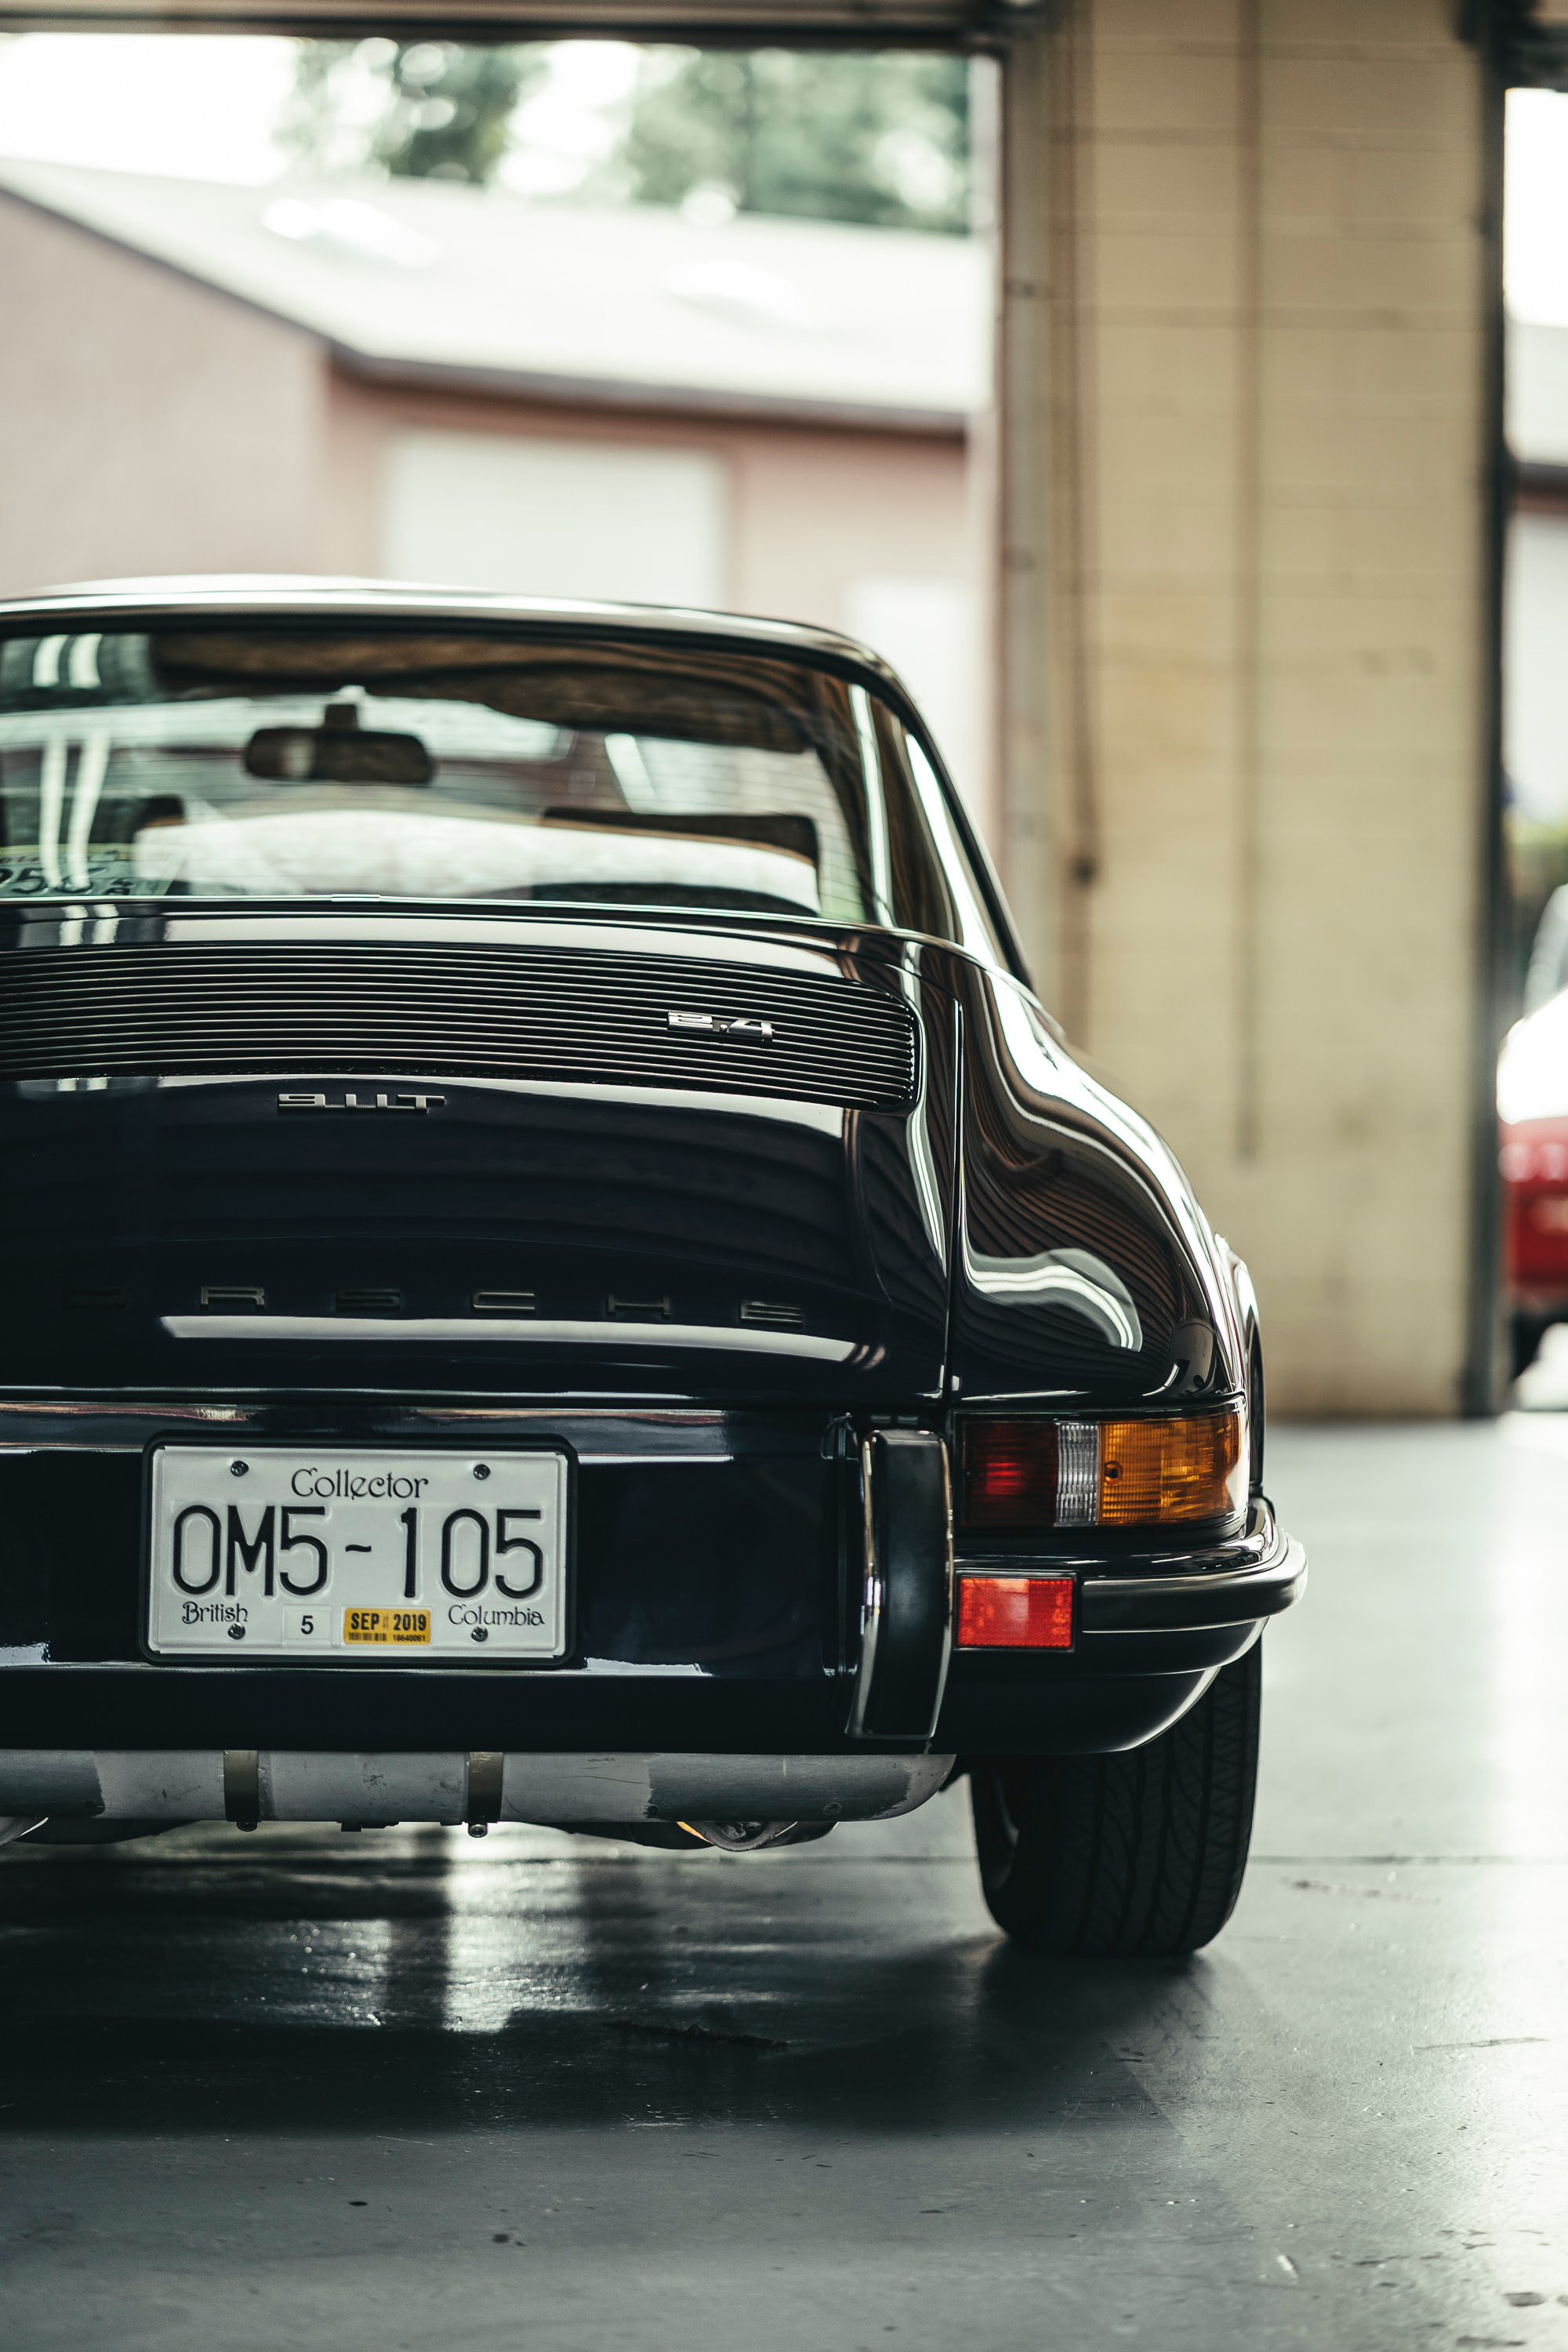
359,1102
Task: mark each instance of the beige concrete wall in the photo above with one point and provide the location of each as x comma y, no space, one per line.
146,423
1254,562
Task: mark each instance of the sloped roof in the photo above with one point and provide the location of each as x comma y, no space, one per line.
631,304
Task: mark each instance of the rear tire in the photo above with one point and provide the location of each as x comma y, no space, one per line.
1141,1853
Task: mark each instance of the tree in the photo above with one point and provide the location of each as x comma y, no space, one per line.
451,108
845,135
419,110
823,134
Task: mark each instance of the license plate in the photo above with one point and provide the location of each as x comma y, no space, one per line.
363,1557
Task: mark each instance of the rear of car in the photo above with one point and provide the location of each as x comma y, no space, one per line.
560,1273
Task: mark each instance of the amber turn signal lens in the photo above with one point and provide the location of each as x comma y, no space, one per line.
1154,1472
1015,1613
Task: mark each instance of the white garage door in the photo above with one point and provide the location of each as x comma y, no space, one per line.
547,517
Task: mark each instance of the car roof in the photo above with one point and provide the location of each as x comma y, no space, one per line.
317,596
311,596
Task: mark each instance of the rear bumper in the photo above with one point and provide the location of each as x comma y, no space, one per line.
1070,1704
1150,1636
719,1591
1201,1598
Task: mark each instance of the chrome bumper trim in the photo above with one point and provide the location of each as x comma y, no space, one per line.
449,1331
654,1432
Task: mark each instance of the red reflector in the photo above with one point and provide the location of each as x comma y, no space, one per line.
1015,1613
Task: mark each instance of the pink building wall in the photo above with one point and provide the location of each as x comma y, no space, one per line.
811,510
151,422
147,424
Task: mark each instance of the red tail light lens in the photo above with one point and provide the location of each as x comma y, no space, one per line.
1015,1613
1009,1473
1021,1474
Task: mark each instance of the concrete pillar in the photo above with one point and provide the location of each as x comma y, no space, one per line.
1245,584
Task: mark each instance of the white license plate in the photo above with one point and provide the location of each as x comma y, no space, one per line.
364,1556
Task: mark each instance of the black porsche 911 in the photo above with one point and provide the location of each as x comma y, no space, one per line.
560,1273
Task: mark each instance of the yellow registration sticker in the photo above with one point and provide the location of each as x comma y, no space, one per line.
397,1627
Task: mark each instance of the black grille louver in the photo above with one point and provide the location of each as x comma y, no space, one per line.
370,1007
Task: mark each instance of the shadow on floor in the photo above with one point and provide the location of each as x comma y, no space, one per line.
146,2000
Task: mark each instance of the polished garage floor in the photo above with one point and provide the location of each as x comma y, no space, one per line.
409,2090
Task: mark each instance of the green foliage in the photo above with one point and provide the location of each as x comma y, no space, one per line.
450,109
310,125
823,134
881,138
421,110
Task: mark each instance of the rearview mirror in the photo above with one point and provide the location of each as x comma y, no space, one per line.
338,751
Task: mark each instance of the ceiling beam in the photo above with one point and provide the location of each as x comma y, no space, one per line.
860,24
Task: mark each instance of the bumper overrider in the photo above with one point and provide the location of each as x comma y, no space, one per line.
774,1629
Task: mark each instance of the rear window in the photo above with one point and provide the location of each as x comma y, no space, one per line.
305,761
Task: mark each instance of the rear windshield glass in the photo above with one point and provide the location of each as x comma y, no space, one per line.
289,763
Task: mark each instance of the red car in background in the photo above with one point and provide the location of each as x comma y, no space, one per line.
1533,1116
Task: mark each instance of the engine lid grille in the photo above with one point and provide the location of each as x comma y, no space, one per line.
568,1013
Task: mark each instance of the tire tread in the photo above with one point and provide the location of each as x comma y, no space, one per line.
1139,1854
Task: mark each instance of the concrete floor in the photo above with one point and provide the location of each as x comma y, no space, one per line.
409,2090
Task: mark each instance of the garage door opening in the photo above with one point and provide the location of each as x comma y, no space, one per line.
1533,1091
1238,621
584,319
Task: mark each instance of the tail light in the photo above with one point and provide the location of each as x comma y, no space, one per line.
1106,1473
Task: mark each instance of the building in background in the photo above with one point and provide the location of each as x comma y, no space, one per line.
422,380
